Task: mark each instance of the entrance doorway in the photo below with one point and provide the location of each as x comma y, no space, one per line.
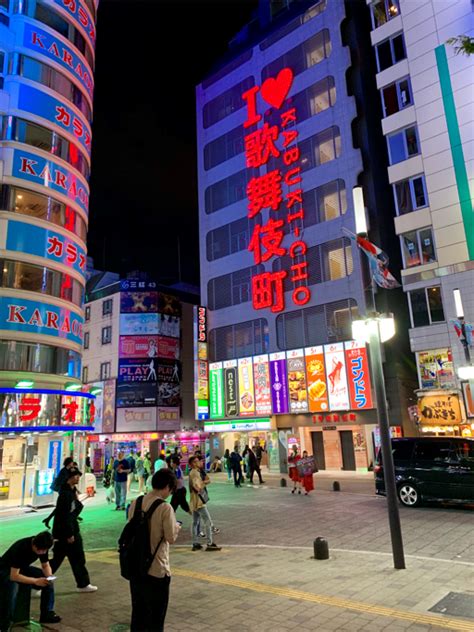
318,449
347,445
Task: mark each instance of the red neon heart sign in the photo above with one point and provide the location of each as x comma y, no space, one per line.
274,91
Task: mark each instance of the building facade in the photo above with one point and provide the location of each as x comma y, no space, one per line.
46,88
427,96
284,136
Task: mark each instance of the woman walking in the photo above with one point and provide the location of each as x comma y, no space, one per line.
293,470
307,477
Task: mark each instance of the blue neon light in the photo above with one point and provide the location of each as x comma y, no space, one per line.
46,429
45,391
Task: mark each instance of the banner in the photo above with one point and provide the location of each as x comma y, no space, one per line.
295,365
138,346
169,377
168,325
336,376
136,419
306,466
261,374
137,370
138,324
136,394
246,390
138,302
360,389
169,305
168,419
168,348
316,379
108,415
279,387
231,388
216,390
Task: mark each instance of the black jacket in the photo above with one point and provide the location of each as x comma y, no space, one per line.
67,510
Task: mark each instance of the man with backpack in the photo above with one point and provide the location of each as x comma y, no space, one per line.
63,475
144,553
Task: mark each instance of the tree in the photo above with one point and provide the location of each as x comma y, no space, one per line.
462,44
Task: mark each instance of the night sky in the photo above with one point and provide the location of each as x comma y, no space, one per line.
150,56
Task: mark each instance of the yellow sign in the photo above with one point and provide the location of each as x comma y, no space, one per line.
440,409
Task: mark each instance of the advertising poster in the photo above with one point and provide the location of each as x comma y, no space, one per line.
358,375
336,376
138,347
261,376
216,390
231,388
168,325
137,394
168,304
137,370
295,365
246,390
436,369
169,375
54,456
316,380
108,416
138,302
278,383
136,419
138,324
202,380
168,348
99,404
468,398
168,419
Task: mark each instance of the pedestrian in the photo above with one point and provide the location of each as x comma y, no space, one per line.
236,465
179,495
88,466
147,465
62,477
245,459
227,465
159,463
121,471
150,594
293,470
140,468
254,466
16,568
259,453
109,483
199,498
216,465
67,534
131,474
308,483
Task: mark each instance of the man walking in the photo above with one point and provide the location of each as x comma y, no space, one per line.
150,594
254,466
62,477
236,465
15,569
67,535
198,492
121,471
131,474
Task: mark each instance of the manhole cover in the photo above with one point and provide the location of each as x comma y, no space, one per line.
455,604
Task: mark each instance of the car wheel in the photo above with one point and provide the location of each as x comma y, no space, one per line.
409,495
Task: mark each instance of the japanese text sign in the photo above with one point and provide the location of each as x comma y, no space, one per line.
137,370
278,381
46,409
246,389
296,368
261,374
81,16
360,390
316,378
440,409
216,390
231,388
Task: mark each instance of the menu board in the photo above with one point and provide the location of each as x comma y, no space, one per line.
360,390
278,383
261,373
338,391
246,390
216,390
316,380
295,365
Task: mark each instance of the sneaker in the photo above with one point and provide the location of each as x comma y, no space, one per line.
213,547
50,617
88,588
202,534
118,508
216,530
197,547
262,482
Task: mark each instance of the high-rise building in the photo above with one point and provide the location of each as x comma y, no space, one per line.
287,128
46,89
427,97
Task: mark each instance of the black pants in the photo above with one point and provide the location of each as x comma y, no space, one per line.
75,554
237,476
149,603
9,591
178,499
252,472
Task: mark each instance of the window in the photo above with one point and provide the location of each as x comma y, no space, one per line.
86,339
39,358
433,450
105,370
227,191
426,306
325,203
402,450
87,314
230,238
304,56
240,340
403,144
390,52
383,11
231,289
397,96
225,104
308,15
85,374
224,148
107,307
418,247
106,335
320,148
228,68
410,194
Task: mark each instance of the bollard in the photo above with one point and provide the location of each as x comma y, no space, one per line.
336,486
321,549
282,482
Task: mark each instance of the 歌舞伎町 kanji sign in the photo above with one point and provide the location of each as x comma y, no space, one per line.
281,185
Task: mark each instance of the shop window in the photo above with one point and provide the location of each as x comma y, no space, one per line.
403,144
383,11
390,52
410,195
426,306
418,247
397,96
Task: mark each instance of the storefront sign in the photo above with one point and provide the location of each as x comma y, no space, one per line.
138,324
136,419
436,369
279,387
127,285
137,370
108,415
136,394
261,375
360,389
169,377
336,376
35,240
138,302
216,390
80,16
54,456
440,408
335,417
55,49
316,378
295,365
201,380
237,426
201,323
47,173
231,388
58,112
246,389
35,317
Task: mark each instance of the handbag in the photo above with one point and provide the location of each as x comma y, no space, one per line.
204,495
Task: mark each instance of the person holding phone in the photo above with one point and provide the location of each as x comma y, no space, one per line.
16,568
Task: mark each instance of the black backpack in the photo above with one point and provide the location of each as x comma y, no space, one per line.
136,556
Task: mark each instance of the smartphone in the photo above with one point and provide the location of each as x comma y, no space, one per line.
51,578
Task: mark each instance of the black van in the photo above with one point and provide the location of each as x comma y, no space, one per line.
430,468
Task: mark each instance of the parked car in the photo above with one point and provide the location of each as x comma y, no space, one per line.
430,468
